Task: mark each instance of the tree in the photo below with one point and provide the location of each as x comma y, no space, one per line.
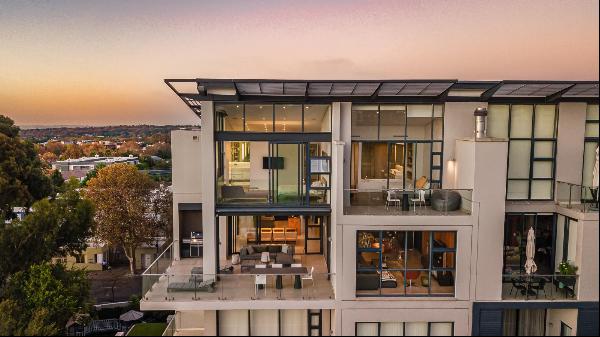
22,179
56,227
122,196
72,151
129,147
47,296
91,174
162,208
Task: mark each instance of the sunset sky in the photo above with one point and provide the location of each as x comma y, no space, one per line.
103,62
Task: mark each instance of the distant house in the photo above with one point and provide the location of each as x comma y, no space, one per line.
79,167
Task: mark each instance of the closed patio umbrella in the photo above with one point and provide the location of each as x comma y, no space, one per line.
595,173
131,316
530,266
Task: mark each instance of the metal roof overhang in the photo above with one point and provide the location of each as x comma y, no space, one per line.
381,91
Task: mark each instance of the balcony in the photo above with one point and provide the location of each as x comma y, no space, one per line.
167,280
523,287
432,202
576,197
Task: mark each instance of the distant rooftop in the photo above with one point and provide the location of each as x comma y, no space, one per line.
97,160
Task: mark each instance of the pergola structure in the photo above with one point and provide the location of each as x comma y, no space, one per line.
193,91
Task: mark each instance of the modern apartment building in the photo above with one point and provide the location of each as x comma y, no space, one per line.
375,208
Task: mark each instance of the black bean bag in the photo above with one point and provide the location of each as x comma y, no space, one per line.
443,200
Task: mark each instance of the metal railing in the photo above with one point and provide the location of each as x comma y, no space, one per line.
171,328
539,287
579,197
408,201
236,287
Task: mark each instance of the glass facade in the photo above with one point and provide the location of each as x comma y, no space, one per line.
255,165
395,145
269,172
531,130
269,118
405,263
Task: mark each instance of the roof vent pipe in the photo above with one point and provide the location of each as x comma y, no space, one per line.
480,123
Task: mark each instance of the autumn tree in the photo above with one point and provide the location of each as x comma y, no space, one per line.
162,208
123,199
129,147
72,151
93,149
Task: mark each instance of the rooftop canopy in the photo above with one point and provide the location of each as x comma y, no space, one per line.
193,91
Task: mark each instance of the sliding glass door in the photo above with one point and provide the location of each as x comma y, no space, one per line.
286,165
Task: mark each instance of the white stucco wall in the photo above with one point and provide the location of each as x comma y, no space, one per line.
186,157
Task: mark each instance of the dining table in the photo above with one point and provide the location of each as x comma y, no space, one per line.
279,273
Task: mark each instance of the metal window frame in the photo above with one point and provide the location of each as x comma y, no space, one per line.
273,104
532,159
430,269
403,326
535,223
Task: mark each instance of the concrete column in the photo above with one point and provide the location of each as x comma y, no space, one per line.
481,166
587,258
208,189
570,142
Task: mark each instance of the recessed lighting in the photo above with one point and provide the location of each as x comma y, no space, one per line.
306,107
284,106
260,107
237,106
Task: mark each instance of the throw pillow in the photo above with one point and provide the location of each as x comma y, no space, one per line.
284,249
250,250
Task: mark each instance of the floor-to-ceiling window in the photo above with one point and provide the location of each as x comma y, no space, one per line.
516,228
531,130
393,146
273,153
405,263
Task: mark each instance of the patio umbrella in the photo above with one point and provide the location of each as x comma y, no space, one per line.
530,266
131,316
595,174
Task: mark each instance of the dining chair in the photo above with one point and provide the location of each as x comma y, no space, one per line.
260,280
420,199
391,199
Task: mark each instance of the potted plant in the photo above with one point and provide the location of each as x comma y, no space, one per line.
566,268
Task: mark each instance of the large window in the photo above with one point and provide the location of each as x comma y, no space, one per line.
404,329
531,130
395,145
272,172
405,263
516,228
271,323
592,141
268,118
